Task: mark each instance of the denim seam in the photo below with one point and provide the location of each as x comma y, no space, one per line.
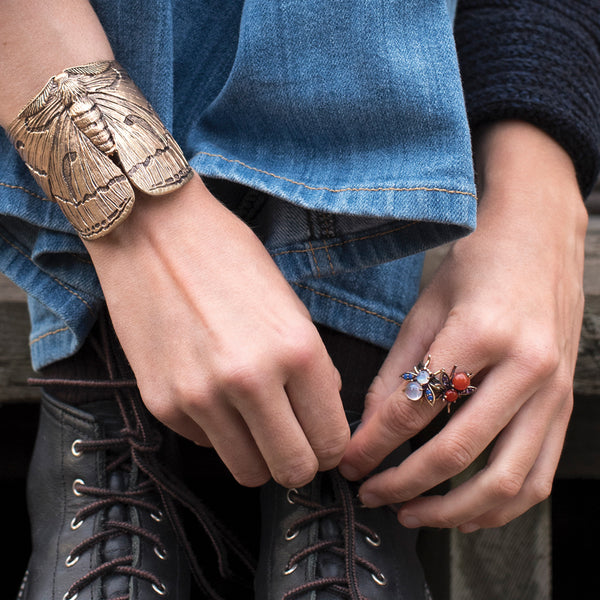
40,337
18,187
315,259
345,242
63,285
329,260
337,190
348,304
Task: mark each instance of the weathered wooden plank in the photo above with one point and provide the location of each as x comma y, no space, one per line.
15,366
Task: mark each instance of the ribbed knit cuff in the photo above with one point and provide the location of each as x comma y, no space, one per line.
538,61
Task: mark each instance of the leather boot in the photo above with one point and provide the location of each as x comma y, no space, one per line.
99,528
319,543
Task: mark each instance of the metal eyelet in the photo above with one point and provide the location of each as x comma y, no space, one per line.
161,553
80,482
76,524
70,561
73,597
291,534
162,590
291,569
289,499
74,450
379,578
158,516
375,541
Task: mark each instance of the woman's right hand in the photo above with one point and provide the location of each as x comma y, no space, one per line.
223,351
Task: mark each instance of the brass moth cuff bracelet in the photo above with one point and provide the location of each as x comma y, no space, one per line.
90,135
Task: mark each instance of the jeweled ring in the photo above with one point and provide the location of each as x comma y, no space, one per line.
437,386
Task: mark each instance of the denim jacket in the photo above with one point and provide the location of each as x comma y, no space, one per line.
337,129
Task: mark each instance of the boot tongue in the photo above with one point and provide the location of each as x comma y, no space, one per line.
108,416
329,564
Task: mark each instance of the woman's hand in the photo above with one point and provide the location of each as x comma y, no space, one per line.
506,304
223,350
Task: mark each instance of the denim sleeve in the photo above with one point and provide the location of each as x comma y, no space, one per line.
536,61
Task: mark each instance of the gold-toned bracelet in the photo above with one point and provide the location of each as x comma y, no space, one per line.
87,137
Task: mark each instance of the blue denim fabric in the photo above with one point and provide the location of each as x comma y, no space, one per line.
341,123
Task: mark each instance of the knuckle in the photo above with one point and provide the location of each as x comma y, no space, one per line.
242,379
295,473
330,454
252,478
400,417
540,489
454,452
302,348
541,356
507,485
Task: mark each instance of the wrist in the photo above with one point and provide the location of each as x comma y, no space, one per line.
522,170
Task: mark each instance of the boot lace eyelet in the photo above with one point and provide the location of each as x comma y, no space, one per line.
157,516
73,597
379,578
71,560
160,589
291,569
74,450
289,498
76,524
75,483
374,540
160,552
290,534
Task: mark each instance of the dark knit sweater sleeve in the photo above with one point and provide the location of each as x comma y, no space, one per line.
539,61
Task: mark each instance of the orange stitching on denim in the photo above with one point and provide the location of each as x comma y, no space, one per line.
41,337
315,259
18,187
369,312
329,260
51,276
337,190
351,241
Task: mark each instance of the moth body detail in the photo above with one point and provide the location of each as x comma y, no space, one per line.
86,115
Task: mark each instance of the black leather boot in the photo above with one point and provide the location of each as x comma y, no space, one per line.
99,528
319,543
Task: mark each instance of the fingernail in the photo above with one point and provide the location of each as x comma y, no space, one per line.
410,521
469,527
348,471
369,500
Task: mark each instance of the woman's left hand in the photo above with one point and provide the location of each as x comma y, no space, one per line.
506,305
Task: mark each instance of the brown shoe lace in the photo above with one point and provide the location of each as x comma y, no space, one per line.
343,509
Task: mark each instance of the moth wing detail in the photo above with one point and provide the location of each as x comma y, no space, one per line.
34,130
149,155
90,189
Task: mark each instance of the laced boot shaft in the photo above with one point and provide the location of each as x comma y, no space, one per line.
338,528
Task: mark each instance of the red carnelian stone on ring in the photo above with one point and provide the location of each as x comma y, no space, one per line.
461,381
451,396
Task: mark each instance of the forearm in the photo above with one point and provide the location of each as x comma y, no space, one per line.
40,39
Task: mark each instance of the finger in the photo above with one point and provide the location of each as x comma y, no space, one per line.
229,435
277,433
415,336
537,486
452,450
397,419
315,399
508,467
182,424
